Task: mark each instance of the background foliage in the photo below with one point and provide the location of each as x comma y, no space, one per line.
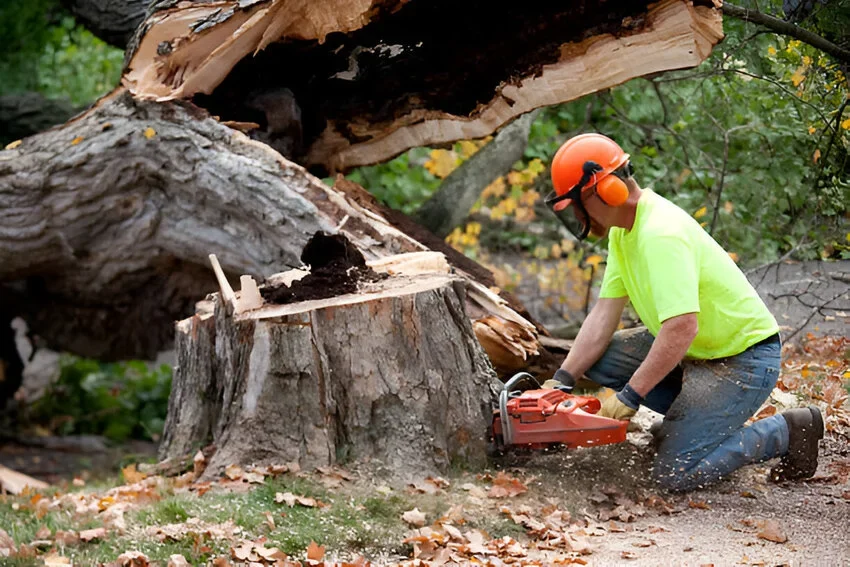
117,400
754,143
46,51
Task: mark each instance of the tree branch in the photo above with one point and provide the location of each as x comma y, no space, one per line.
787,28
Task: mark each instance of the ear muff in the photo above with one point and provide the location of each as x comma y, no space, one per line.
612,190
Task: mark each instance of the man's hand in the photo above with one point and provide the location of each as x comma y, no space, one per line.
562,380
614,408
622,406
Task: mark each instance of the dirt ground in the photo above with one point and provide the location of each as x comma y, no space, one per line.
713,526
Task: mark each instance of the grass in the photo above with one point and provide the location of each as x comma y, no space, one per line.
347,524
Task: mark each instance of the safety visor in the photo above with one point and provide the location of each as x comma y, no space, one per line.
575,218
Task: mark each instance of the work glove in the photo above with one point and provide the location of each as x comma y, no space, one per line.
621,406
562,380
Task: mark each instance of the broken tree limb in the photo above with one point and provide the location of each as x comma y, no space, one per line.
391,374
365,81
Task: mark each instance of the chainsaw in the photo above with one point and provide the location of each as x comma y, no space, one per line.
539,419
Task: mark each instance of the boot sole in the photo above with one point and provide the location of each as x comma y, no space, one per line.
784,471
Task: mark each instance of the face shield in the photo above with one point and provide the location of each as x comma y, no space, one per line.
568,207
570,211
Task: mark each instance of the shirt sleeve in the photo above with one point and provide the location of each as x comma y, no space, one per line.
673,269
612,281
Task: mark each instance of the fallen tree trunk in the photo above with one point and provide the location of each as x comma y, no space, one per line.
390,373
108,221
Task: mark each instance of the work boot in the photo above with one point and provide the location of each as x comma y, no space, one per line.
805,429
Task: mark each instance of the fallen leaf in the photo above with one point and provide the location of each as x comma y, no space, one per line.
78,481
133,559
771,531
233,472
199,464
77,140
54,560
43,533
13,145
628,555
285,497
269,520
149,132
178,560
242,551
414,518
89,535
7,544
254,477
315,552
701,504
505,486
131,475
67,538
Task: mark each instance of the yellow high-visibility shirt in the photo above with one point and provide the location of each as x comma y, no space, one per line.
668,265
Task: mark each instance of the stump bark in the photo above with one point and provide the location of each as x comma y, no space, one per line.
391,375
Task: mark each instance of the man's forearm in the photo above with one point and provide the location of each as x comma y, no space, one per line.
594,336
669,348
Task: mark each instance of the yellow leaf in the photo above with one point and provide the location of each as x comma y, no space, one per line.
593,260
149,132
846,124
812,129
700,213
495,189
131,475
816,156
556,250
442,163
515,178
807,60
798,77
771,50
734,256
76,140
728,206
13,145
467,148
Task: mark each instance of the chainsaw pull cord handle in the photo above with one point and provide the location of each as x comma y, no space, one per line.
507,430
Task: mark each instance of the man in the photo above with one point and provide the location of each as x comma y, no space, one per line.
709,355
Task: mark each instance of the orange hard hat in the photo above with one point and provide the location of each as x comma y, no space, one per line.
569,164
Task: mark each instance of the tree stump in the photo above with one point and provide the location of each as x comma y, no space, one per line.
391,374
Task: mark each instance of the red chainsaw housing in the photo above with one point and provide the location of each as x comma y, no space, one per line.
543,417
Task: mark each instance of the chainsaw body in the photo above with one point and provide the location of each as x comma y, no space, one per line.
538,418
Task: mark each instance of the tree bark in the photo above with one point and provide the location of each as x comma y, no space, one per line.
25,114
392,374
113,21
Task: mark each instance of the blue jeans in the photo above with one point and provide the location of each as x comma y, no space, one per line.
705,405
